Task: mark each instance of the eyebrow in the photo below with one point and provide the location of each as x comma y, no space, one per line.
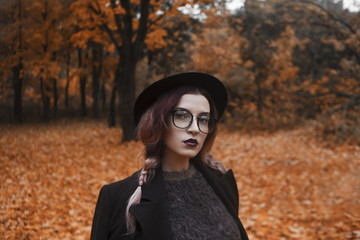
184,109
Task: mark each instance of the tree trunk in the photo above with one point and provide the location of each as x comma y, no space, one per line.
82,84
18,82
18,76
250,18
127,98
103,96
83,95
111,117
259,102
68,58
55,94
129,53
45,99
97,60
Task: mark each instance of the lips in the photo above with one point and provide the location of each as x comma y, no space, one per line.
191,142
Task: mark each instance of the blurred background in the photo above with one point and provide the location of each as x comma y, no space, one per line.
70,71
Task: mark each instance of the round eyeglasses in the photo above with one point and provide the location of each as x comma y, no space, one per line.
182,118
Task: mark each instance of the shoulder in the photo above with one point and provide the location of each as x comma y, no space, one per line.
109,215
118,193
121,189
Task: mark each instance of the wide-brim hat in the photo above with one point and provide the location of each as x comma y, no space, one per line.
211,84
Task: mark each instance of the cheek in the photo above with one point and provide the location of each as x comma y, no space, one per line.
171,136
202,139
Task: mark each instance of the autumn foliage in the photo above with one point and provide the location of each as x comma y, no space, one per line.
284,62
291,130
291,184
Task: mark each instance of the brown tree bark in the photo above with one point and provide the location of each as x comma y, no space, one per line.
111,117
83,79
249,26
68,58
129,51
45,99
18,76
18,83
55,96
97,62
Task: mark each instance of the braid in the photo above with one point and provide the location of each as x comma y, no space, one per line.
209,161
146,173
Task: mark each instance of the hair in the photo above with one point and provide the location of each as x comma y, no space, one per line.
153,126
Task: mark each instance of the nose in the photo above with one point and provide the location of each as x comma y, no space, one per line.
193,128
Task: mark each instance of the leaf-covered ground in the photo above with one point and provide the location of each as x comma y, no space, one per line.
291,186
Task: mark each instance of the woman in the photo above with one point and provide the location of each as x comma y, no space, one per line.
181,192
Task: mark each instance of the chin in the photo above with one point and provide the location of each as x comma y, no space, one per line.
192,154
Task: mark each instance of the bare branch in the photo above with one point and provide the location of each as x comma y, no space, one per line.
333,16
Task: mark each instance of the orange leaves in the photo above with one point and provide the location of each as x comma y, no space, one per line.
215,49
137,2
119,10
155,39
248,64
283,68
338,45
49,188
291,185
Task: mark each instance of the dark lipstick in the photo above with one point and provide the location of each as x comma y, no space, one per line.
191,142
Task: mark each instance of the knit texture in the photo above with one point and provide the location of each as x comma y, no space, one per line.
195,211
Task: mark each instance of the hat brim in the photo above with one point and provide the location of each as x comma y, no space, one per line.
211,84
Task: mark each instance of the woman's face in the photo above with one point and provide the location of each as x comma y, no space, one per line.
182,144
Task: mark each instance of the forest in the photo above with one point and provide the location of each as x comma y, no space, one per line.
284,62
70,71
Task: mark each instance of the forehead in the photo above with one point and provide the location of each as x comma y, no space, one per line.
195,103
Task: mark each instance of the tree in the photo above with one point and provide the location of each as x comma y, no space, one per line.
127,24
297,57
12,33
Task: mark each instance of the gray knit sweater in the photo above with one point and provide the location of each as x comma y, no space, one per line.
195,211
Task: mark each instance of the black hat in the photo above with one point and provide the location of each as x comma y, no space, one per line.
212,85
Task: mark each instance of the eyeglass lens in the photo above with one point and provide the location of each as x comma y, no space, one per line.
182,118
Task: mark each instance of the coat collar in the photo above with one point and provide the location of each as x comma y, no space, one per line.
152,211
219,182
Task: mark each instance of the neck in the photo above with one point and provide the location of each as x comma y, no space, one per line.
171,164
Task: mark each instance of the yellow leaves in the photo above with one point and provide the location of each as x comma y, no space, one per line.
353,41
349,65
156,39
119,9
215,49
136,2
111,48
325,79
248,64
81,38
282,67
287,180
338,45
135,24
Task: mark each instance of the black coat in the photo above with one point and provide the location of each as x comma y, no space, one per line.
151,213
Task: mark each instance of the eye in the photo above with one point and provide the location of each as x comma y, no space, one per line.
204,119
181,115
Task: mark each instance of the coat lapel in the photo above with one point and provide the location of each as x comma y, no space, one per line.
221,185
226,189
151,212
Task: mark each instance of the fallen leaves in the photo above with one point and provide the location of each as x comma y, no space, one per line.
291,186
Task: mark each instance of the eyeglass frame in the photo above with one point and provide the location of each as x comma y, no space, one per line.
192,119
